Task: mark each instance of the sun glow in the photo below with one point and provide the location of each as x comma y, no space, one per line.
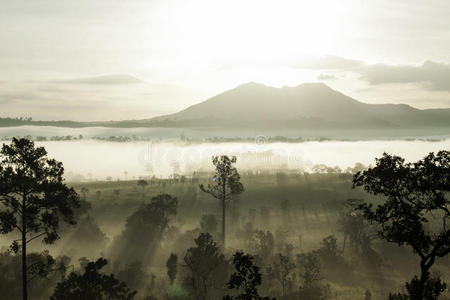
256,37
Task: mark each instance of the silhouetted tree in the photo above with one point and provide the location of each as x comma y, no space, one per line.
33,197
150,220
265,243
367,295
171,265
246,279
280,270
92,285
142,183
355,226
226,183
204,262
415,194
434,286
311,268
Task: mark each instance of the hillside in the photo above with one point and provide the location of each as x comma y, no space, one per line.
310,109
309,105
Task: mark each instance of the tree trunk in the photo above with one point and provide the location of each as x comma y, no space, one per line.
223,211
223,223
24,254
425,266
343,246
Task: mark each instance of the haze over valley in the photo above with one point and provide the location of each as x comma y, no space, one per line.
225,150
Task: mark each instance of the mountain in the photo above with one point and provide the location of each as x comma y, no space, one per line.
307,110
309,105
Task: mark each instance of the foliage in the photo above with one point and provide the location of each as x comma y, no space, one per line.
281,270
415,209
33,197
92,285
434,286
150,220
247,278
205,263
171,265
226,184
311,268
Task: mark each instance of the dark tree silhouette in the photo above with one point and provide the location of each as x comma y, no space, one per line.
434,286
92,285
247,278
171,265
415,210
150,220
355,227
311,268
33,197
204,262
226,183
142,183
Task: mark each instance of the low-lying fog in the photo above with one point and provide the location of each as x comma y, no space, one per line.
166,154
90,159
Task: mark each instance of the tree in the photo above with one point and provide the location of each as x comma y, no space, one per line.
280,270
33,197
204,262
415,208
84,191
142,183
246,278
311,268
433,288
355,226
92,285
265,243
226,183
172,267
145,228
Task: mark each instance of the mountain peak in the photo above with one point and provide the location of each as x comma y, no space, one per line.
313,85
251,84
311,105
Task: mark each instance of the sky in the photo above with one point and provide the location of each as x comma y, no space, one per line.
114,60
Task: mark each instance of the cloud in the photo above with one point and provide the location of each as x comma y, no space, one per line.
431,75
50,100
329,62
7,97
104,79
324,76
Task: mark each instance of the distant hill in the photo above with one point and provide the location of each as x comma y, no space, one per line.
310,109
309,105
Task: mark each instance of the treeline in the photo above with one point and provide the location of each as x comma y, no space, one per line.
259,236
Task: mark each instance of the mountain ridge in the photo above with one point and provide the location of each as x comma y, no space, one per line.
305,107
256,103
